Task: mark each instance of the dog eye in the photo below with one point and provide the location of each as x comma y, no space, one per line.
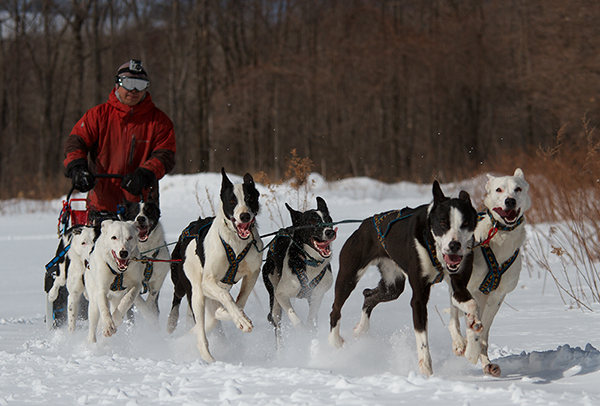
113,237
499,190
518,190
233,201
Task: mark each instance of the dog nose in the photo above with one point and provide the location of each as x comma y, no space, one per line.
454,246
245,217
510,203
123,254
142,220
330,234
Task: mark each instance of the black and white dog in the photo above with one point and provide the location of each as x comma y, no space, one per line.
152,246
298,265
78,242
114,279
500,234
426,244
215,254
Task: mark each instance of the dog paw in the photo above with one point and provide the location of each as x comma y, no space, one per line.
335,340
222,314
52,294
474,323
109,329
172,320
244,323
459,347
492,370
425,368
362,327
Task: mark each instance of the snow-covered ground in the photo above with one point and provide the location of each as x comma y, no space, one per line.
546,349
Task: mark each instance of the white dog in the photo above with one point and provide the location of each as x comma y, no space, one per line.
114,279
81,241
499,236
215,254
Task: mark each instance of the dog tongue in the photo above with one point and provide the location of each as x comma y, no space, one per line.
323,247
121,263
143,234
509,215
243,229
452,260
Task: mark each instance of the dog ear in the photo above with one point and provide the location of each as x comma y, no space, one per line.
105,224
295,215
248,179
488,184
322,206
463,195
226,182
519,173
438,195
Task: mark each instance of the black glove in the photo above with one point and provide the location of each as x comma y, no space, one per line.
80,175
138,180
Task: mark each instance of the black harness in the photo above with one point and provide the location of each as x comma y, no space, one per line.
396,215
495,270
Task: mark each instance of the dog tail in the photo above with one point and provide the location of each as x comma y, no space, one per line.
268,269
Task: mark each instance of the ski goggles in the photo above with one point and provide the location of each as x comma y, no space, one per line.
131,84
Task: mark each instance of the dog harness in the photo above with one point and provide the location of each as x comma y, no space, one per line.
494,275
307,287
57,258
118,282
148,272
434,259
378,219
234,262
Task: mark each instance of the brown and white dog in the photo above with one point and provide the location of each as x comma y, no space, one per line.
500,234
215,254
426,244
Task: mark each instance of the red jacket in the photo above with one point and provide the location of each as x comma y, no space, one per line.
119,139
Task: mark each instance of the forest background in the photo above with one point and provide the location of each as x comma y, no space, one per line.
389,89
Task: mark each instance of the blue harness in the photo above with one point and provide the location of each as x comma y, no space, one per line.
117,284
306,286
234,261
379,218
148,271
495,270
58,257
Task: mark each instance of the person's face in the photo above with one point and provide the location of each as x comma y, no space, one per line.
130,98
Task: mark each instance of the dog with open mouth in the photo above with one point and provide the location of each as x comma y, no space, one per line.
298,265
499,236
213,254
426,244
153,248
114,278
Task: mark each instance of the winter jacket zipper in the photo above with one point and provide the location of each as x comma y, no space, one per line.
132,150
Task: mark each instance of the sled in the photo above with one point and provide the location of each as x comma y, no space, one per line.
74,212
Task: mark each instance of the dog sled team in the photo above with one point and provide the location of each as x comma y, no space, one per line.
122,262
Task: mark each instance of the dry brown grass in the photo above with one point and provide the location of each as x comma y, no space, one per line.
565,190
297,174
